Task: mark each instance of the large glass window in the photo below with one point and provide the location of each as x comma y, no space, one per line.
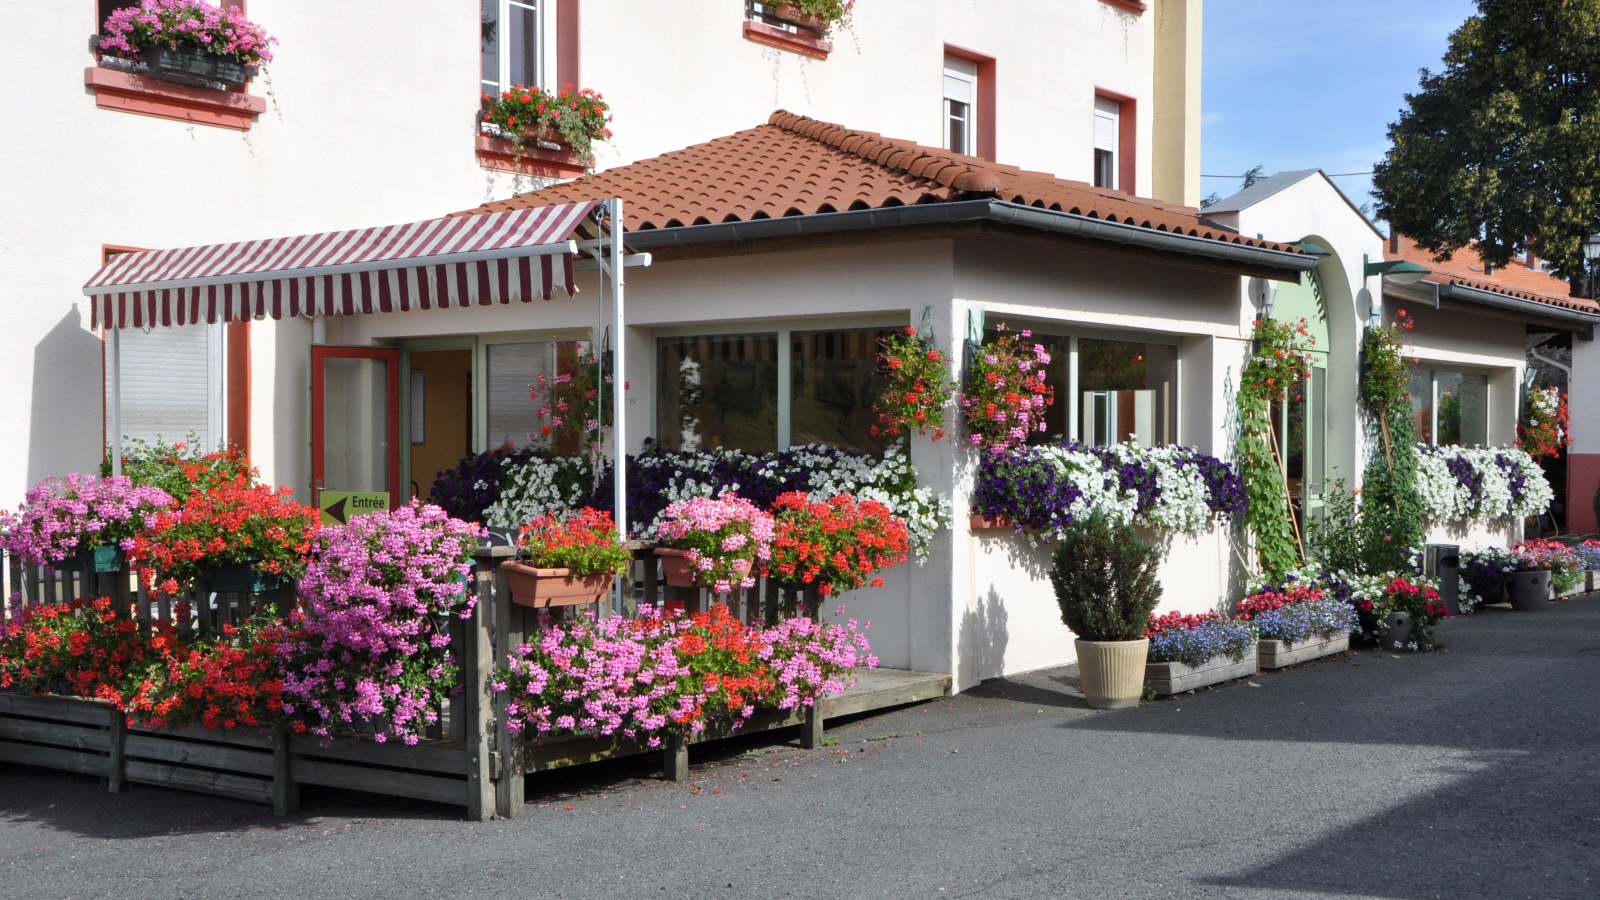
511,37
834,381
718,391
1108,391
1450,407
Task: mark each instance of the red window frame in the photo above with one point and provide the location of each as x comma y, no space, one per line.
318,466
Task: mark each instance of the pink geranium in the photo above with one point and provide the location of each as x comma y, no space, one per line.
66,514
188,23
724,537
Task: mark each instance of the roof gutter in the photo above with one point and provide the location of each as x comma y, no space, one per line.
966,211
1517,304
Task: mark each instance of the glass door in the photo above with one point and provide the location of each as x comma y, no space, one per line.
355,421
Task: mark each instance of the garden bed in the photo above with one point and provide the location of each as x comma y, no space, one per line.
1167,678
1277,654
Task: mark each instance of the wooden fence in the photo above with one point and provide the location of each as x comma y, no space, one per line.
468,759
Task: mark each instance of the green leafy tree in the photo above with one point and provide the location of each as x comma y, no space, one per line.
1502,147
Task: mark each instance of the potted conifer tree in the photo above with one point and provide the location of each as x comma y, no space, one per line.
1105,582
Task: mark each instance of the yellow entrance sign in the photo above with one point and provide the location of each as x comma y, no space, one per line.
339,507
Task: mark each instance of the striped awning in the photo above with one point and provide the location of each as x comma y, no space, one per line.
458,261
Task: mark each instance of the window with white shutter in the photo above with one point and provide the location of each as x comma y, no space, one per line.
172,384
1107,127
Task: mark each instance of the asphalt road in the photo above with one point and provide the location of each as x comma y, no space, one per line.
1472,772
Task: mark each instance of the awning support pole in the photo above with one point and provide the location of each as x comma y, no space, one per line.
619,369
116,400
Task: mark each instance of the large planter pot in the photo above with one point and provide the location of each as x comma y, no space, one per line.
540,588
680,572
1277,654
1530,591
188,65
240,578
1395,631
1166,678
1112,672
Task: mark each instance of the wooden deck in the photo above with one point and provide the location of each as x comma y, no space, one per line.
469,760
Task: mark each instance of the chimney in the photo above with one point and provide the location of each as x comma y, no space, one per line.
1531,260
1394,240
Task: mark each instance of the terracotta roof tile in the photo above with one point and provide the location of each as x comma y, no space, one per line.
794,165
1518,279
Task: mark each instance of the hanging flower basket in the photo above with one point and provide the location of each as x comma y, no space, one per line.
188,65
99,558
240,578
541,588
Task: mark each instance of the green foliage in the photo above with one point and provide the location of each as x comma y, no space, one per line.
1335,539
1502,147
1105,580
179,468
1394,518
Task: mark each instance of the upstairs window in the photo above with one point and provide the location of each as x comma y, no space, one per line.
513,44
960,99
1107,130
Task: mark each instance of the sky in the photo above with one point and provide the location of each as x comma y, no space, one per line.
1312,85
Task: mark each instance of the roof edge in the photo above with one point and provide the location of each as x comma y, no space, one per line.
1518,304
997,211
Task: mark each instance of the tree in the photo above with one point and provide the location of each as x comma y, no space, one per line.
1502,148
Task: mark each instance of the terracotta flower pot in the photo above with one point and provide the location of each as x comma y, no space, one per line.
540,588
680,572
1112,672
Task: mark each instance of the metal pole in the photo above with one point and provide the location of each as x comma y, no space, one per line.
619,368
116,400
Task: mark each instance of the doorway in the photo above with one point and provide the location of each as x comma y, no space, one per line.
440,402
355,394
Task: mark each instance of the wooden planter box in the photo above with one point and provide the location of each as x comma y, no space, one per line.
541,588
1167,678
1277,654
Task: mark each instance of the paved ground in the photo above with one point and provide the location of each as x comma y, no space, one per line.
1473,772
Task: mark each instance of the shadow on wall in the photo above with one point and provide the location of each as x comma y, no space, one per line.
984,635
65,427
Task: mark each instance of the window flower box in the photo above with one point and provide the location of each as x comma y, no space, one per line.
100,558
187,65
680,572
542,588
1167,678
790,12
1277,654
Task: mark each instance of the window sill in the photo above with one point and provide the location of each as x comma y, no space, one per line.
803,44
1133,6
504,156
142,95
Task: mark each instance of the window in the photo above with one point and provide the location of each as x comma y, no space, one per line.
718,391
834,381
172,384
1107,134
960,98
513,44
1125,389
509,369
1450,407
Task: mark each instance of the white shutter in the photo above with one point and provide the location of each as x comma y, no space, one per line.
1106,114
957,89
513,415
172,384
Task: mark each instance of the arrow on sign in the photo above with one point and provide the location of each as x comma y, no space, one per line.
336,511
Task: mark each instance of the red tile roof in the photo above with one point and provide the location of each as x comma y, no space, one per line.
1518,279
795,166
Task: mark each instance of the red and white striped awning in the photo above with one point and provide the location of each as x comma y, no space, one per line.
458,261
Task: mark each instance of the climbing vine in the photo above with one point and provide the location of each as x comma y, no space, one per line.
1280,360
1393,515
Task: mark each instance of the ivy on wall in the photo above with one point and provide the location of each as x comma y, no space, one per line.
1279,361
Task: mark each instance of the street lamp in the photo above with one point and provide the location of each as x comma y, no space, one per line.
1591,252
1396,271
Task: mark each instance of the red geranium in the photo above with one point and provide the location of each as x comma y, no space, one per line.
234,522
836,545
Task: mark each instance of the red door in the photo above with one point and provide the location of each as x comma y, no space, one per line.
355,421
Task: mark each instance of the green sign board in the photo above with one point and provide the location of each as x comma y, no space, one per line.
339,507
